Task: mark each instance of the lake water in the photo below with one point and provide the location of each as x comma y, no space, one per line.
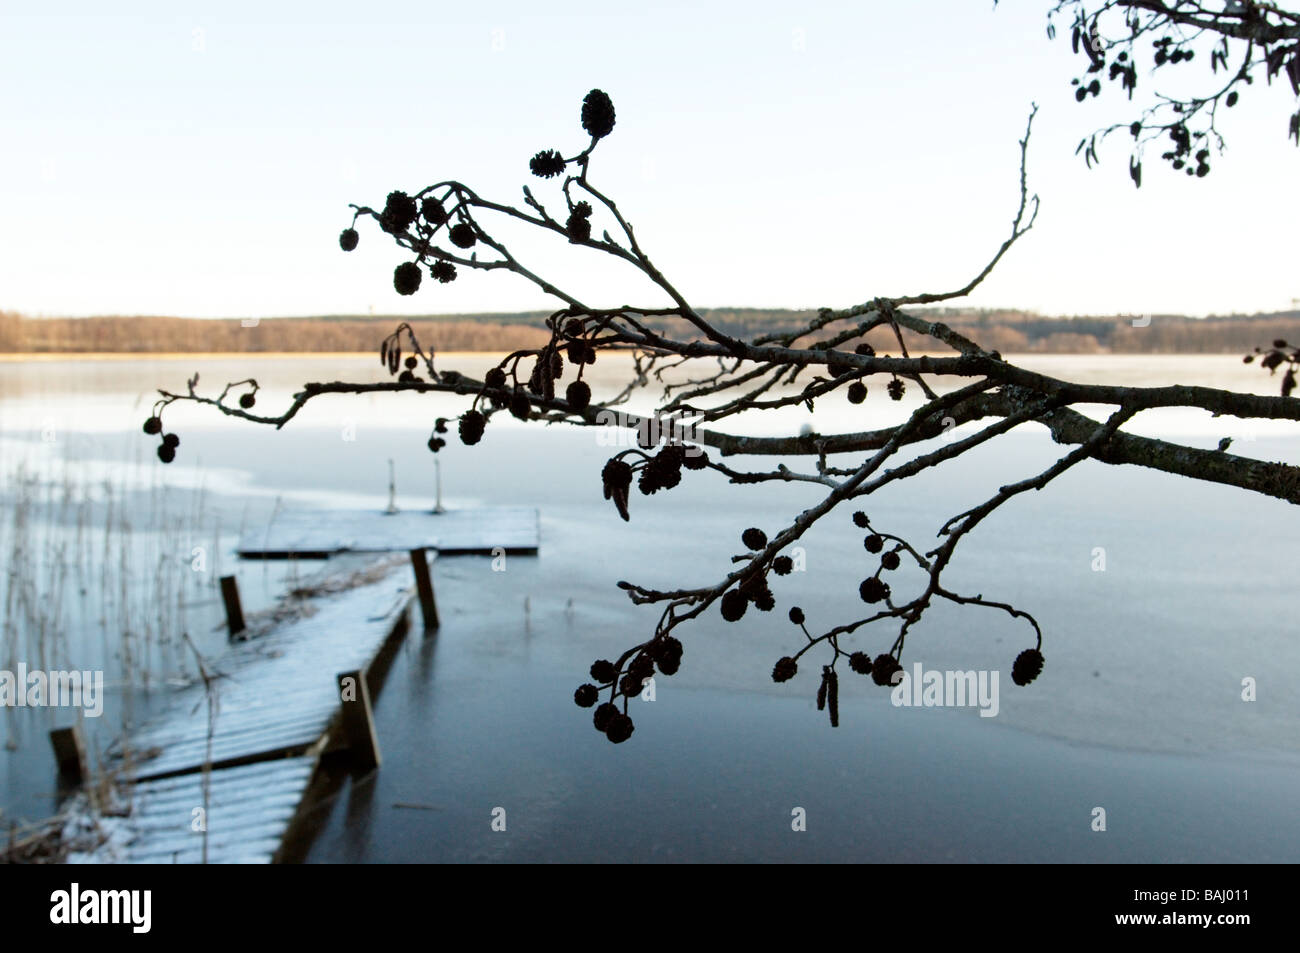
1139,710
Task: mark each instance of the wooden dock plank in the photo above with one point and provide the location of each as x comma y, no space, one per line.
297,710
249,809
270,732
224,754
259,852
236,782
178,815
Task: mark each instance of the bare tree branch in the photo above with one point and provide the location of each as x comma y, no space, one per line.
709,379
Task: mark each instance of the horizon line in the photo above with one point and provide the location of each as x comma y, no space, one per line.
1283,312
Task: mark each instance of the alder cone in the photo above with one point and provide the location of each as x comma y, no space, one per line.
407,277
695,458
784,669
734,605
619,729
579,228
631,684
399,212
884,669
546,164
873,590
520,405
670,665
598,114
578,394
603,715
471,427
1028,666
433,212
462,235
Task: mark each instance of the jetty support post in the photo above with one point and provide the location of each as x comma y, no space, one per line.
358,720
234,612
424,586
70,753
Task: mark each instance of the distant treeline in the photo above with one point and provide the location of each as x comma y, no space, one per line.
1006,331
188,335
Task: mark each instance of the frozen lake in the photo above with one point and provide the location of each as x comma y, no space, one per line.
1139,709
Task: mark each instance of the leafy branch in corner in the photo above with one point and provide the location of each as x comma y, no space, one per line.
1123,41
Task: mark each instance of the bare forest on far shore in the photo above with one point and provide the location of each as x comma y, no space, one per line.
1006,331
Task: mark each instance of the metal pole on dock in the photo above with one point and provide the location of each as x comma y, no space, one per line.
392,489
424,586
437,480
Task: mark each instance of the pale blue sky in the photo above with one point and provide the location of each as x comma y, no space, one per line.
198,159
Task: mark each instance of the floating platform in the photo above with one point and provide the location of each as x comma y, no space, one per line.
318,534
278,703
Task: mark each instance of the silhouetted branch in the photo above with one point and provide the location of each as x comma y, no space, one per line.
725,377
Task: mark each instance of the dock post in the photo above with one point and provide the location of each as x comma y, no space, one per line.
358,719
70,753
234,613
424,585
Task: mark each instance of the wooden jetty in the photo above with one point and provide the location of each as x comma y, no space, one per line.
275,703
311,533
223,773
